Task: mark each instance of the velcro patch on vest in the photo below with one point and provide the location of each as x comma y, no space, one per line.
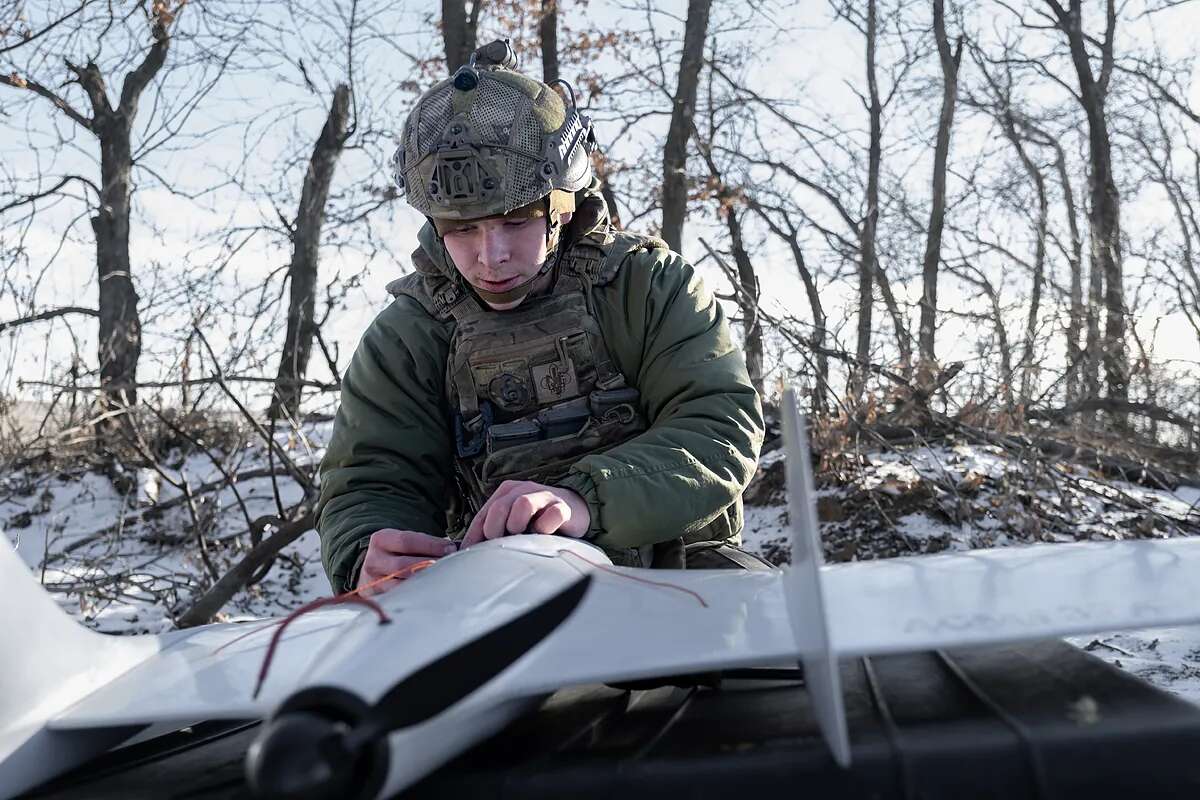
506,384
555,381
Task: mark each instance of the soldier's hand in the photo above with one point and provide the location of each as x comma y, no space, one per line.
392,551
525,506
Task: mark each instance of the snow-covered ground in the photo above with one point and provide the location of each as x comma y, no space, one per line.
120,567
131,577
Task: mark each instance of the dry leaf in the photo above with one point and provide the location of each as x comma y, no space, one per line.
971,481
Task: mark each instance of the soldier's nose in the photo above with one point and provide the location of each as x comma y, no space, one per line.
493,250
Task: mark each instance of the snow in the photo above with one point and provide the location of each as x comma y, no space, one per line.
1166,657
1189,496
131,579
127,572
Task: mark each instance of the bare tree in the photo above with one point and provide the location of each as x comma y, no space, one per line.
780,223
1104,212
867,258
1080,317
548,38
749,294
306,241
1021,134
120,340
683,109
1179,262
950,60
459,25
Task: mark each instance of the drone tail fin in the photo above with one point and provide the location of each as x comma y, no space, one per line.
805,592
962,599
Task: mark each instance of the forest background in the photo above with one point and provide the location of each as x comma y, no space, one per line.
943,222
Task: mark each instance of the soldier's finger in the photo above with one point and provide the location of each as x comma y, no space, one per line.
474,532
552,517
410,543
495,524
380,564
368,585
523,510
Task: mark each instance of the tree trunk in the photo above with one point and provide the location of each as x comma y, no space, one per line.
1028,364
306,243
548,33
1006,364
120,328
1075,323
950,60
899,324
748,300
867,266
1104,213
1092,347
820,398
675,189
120,334
458,31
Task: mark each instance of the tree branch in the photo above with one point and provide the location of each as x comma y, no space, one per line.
18,82
44,315
136,81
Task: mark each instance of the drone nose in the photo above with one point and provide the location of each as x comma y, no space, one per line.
300,756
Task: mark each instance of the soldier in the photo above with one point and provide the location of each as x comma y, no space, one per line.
540,371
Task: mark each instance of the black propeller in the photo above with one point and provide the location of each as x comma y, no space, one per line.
304,754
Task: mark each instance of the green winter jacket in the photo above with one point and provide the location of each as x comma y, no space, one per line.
389,463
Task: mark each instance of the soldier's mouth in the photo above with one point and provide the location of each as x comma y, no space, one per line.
499,286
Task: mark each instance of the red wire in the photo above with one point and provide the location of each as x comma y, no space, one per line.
320,602
613,571
352,596
411,569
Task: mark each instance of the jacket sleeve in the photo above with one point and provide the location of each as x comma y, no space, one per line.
388,464
669,337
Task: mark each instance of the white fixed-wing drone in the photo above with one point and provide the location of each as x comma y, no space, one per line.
358,709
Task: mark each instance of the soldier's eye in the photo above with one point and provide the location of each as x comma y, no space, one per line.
516,223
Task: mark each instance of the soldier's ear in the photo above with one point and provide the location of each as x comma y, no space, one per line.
565,217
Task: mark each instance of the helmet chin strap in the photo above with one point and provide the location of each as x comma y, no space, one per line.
519,291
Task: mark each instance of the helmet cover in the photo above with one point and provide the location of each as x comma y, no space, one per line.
488,141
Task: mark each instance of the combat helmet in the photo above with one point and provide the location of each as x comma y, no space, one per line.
490,141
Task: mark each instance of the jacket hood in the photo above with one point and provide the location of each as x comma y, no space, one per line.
591,218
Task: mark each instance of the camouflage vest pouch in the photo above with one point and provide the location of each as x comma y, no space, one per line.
534,391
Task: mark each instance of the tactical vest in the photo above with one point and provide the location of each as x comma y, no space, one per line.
534,389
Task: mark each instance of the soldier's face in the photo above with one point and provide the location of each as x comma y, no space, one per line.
498,253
